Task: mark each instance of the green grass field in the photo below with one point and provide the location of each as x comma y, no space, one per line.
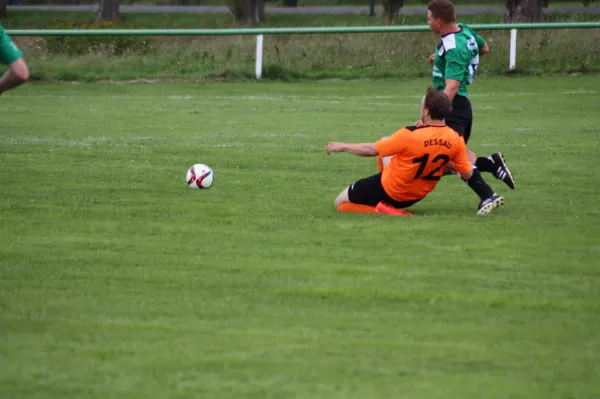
117,281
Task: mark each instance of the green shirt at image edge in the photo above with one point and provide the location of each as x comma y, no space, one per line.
9,52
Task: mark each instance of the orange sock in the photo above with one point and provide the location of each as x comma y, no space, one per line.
357,208
380,163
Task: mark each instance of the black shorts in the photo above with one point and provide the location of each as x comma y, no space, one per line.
369,191
461,118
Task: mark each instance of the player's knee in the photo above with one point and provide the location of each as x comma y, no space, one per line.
341,198
23,75
20,70
472,157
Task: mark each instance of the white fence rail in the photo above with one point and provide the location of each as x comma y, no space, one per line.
260,32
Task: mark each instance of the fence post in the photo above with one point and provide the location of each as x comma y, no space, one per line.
512,62
259,51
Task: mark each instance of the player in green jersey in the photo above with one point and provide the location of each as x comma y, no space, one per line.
10,55
455,63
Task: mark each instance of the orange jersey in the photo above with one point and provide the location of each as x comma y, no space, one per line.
419,156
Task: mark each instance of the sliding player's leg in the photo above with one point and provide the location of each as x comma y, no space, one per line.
361,196
368,196
343,204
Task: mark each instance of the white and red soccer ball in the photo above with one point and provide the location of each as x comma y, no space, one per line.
200,176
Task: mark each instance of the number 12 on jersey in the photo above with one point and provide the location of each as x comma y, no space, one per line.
440,160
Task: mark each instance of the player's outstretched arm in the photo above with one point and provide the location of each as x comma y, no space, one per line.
361,149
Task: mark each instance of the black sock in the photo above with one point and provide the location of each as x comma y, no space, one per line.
485,164
478,185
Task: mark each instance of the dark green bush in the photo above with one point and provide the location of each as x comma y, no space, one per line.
110,45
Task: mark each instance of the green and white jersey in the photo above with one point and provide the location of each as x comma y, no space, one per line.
9,52
457,57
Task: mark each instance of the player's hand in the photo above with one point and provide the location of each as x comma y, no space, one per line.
335,147
449,169
431,58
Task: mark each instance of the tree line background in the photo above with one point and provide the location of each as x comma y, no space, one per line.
252,12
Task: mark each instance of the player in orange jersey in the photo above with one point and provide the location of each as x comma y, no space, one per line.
412,162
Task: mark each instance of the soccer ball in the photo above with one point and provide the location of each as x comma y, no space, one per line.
200,176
